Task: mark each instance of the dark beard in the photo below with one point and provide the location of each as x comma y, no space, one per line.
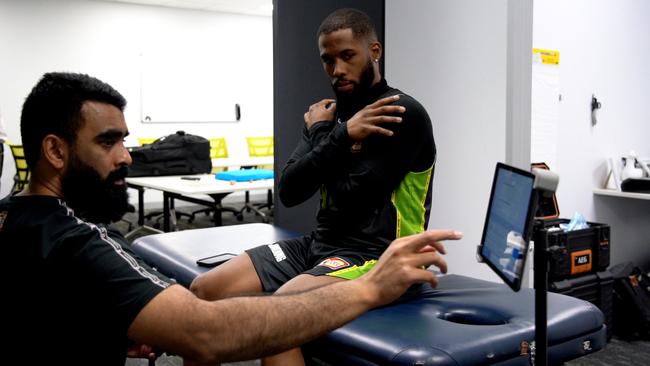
93,198
360,91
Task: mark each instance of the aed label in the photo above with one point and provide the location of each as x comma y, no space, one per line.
581,261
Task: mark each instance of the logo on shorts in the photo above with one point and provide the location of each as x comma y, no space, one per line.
277,252
334,263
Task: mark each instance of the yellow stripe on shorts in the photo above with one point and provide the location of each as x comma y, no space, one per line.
355,271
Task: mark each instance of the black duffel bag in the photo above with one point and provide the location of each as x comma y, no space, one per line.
631,301
176,154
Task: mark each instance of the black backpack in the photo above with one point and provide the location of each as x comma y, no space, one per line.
176,154
631,301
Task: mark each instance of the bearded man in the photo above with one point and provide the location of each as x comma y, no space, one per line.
370,152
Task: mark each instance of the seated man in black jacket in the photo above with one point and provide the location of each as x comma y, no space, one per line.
370,152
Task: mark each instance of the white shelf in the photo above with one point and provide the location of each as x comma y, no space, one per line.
614,193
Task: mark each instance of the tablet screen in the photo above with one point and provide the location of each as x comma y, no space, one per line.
507,224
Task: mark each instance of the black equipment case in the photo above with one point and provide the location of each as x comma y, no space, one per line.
597,288
175,154
573,253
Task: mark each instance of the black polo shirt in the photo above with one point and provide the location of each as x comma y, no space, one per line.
73,287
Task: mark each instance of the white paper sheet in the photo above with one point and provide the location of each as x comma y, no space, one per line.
545,106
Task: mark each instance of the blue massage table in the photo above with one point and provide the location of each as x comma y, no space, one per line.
464,321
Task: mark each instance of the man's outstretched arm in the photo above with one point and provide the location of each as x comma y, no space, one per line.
252,327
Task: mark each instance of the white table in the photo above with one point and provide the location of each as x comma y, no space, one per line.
238,162
182,187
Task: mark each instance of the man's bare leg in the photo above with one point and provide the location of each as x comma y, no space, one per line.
234,277
299,283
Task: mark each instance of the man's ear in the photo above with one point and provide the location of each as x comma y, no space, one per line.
375,50
55,151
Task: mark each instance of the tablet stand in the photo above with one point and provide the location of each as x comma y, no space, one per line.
545,184
540,268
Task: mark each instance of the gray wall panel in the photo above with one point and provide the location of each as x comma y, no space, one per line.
299,81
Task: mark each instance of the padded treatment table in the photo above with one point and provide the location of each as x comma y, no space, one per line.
174,254
464,321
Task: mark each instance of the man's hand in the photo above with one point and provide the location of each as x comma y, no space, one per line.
321,111
365,122
404,263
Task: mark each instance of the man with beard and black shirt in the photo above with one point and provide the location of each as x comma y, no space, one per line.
371,153
78,293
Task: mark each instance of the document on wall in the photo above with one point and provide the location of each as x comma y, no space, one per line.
545,104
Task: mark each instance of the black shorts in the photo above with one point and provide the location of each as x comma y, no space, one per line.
279,262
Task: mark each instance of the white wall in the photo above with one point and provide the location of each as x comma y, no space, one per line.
604,50
451,55
107,40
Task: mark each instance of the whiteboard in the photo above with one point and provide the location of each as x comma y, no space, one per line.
186,87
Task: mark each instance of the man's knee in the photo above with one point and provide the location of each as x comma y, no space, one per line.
198,286
234,277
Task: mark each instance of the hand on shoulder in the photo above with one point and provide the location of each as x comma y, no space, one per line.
321,111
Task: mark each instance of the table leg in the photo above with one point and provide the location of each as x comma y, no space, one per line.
140,205
218,221
166,213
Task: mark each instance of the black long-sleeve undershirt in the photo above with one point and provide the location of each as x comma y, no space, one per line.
357,184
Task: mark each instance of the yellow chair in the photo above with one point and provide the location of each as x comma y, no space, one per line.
218,150
2,157
146,140
259,147
21,179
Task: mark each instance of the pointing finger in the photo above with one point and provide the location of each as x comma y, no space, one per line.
432,238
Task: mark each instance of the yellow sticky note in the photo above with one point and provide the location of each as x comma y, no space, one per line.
549,57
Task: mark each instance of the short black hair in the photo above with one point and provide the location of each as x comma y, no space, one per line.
356,20
54,107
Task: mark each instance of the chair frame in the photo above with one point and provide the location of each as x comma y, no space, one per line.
23,174
259,146
2,159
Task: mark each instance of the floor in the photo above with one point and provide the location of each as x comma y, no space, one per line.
618,352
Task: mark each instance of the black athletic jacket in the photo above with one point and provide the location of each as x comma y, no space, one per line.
369,196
